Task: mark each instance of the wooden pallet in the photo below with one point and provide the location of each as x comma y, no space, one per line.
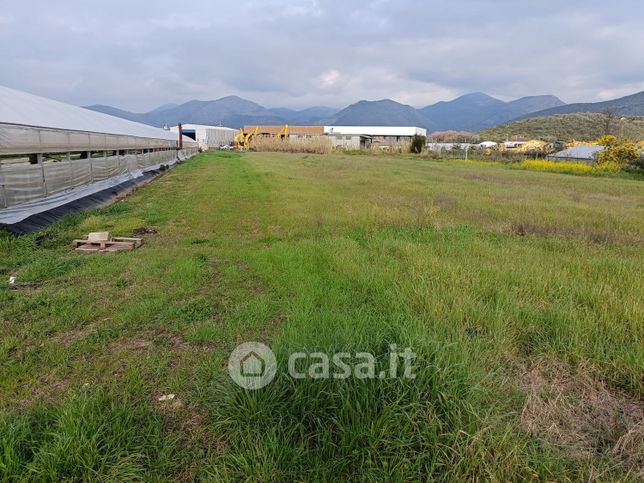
114,244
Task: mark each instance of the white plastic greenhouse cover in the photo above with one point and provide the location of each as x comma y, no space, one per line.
119,151
20,108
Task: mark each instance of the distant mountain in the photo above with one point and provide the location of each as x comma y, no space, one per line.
463,113
525,105
310,116
632,105
229,111
380,113
473,112
114,111
165,107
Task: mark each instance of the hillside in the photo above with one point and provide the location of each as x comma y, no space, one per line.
580,126
632,105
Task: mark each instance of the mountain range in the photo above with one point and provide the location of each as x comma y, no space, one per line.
471,112
632,105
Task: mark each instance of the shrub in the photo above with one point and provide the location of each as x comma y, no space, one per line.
617,151
418,144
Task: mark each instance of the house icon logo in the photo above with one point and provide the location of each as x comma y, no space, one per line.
252,365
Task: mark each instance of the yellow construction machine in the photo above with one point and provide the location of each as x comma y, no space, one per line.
243,141
239,139
249,137
283,133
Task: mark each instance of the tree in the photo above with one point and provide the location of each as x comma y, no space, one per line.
609,118
617,151
418,143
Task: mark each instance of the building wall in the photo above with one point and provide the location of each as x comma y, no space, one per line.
214,138
342,141
377,131
209,136
390,140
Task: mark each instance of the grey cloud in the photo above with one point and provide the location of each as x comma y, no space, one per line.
137,55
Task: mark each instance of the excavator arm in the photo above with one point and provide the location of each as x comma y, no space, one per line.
239,139
249,137
283,133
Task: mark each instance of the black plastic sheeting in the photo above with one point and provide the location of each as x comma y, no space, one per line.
41,220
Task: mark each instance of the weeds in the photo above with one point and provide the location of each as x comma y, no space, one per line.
569,167
483,270
91,435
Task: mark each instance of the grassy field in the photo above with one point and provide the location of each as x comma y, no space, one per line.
520,291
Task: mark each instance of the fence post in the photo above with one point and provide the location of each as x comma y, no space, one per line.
39,160
91,170
5,198
71,169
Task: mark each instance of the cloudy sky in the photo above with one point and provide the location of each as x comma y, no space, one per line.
139,54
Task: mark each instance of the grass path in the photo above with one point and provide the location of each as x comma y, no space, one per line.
514,288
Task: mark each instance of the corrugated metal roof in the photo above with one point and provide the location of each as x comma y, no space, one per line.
579,152
297,130
21,108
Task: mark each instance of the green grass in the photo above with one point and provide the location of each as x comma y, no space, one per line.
485,271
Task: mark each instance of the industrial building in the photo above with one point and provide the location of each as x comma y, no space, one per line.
293,132
362,137
344,137
207,136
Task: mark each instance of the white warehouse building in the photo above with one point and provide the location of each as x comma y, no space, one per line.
361,137
207,136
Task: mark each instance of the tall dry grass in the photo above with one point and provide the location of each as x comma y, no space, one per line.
399,147
314,145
